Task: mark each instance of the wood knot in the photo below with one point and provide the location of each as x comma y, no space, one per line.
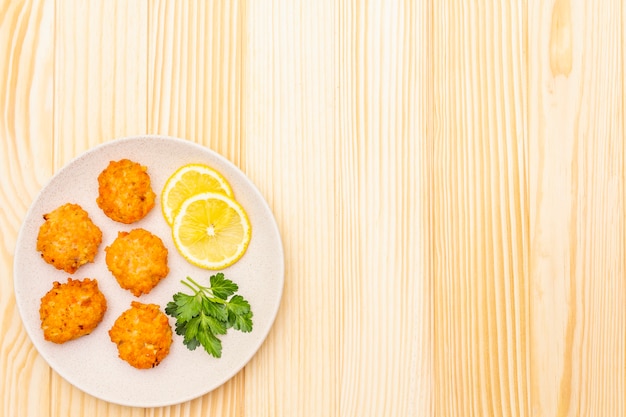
561,38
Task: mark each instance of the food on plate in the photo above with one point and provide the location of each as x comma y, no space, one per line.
209,312
209,227
68,238
211,230
143,335
187,181
138,260
71,310
125,192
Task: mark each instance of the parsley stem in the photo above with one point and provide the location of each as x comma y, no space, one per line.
195,291
201,288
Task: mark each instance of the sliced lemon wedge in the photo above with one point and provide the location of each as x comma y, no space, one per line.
211,230
187,181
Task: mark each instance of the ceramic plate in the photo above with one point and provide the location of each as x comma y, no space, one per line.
91,362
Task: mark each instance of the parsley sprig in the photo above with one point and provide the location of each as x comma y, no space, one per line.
207,313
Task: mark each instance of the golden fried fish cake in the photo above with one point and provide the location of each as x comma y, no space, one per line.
71,310
68,238
138,260
124,192
143,335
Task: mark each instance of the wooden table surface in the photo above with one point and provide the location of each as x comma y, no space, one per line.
447,177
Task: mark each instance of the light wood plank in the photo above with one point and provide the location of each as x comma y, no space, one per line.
100,94
195,59
463,159
479,209
289,113
381,210
227,400
26,120
576,130
100,74
196,62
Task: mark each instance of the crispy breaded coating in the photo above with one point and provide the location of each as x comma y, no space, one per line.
138,260
68,238
143,335
125,193
71,310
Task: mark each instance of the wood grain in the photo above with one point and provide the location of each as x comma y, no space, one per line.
100,94
447,177
26,120
290,97
100,74
195,92
479,210
381,225
196,70
576,131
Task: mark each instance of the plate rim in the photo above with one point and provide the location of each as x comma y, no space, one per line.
272,315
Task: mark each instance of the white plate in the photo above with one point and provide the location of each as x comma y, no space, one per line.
91,362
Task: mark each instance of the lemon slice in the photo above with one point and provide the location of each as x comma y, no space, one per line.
188,181
211,230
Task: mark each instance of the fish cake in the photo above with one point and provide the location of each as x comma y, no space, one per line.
143,335
68,238
138,260
71,310
124,191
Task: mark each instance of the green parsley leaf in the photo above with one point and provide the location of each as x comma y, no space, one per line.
243,323
191,344
181,328
208,312
216,310
222,287
238,305
210,343
184,306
